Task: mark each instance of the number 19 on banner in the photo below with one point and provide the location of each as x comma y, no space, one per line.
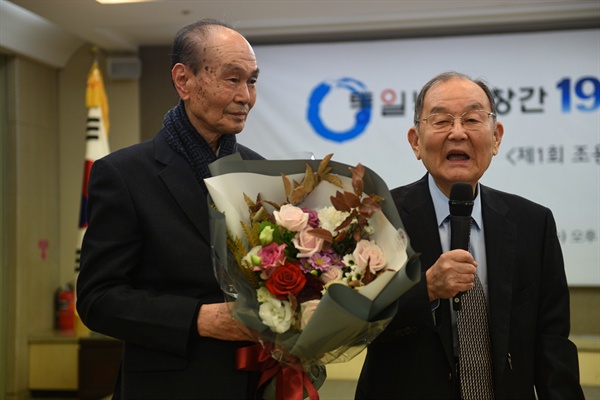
584,93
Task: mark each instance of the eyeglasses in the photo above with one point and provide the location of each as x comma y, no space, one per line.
473,120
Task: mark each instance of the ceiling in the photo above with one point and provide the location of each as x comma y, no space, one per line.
123,28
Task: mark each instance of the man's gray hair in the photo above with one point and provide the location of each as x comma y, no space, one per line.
186,46
446,76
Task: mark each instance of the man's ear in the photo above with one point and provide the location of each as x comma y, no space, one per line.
498,133
180,75
415,141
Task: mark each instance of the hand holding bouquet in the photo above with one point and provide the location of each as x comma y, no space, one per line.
313,262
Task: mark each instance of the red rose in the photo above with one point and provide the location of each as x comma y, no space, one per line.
285,279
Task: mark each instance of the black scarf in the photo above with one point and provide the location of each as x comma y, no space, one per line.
185,140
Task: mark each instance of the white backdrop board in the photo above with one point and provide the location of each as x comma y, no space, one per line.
356,100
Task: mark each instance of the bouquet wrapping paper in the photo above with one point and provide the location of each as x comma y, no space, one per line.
346,320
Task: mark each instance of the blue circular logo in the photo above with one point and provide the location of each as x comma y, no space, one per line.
360,99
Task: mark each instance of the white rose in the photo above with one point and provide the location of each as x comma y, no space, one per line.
276,314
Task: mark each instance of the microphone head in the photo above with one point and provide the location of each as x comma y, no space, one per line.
461,199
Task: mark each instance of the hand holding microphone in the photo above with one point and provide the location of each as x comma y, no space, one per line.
461,206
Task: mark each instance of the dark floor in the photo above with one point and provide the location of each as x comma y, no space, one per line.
344,390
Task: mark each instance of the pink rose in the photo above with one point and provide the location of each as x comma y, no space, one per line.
332,274
306,243
292,218
367,253
271,256
307,309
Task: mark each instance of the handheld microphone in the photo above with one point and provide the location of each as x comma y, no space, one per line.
461,206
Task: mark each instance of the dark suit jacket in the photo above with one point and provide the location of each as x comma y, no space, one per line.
145,271
528,300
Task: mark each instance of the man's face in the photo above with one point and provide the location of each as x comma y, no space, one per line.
220,95
459,154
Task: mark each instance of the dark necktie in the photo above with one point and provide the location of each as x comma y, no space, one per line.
475,358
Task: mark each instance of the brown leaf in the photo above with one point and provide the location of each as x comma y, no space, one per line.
351,200
369,206
293,301
369,276
339,203
309,182
272,204
286,185
323,165
321,233
298,195
357,179
356,235
340,236
345,222
362,220
333,179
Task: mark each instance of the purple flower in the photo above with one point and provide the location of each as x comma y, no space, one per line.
321,261
313,217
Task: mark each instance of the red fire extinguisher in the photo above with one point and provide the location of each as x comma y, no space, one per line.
65,308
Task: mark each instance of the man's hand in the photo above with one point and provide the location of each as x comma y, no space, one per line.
452,273
215,320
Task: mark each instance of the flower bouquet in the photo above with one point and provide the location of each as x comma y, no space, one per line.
313,262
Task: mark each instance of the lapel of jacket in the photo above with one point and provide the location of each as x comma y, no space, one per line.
419,215
500,245
179,178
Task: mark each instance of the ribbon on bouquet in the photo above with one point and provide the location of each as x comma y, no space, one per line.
291,381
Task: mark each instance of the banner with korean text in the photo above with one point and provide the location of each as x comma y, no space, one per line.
356,100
